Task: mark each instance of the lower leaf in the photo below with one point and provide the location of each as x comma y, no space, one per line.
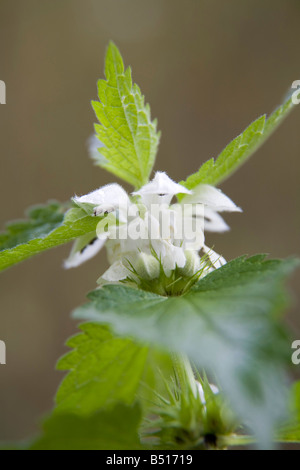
104,430
103,369
227,324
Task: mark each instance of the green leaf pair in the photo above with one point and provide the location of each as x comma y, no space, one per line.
227,323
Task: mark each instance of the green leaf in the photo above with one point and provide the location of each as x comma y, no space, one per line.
129,136
103,370
227,323
42,220
116,429
46,227
239,150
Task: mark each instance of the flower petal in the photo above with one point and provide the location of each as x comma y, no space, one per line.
213,222
107,198
170,255
211,197
82,251
160,190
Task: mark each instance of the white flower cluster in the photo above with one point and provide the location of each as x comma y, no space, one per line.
146,233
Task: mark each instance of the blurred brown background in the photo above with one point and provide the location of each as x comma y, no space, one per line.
208,68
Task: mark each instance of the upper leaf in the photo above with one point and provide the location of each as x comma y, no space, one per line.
46,228
104,430
239,150
129,137
103,370
226,323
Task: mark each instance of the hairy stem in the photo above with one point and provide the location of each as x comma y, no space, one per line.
184,371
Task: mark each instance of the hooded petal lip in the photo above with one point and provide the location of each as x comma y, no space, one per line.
109,195
162,185
212,197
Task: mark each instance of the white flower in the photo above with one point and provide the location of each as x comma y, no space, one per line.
109,198
144,231
83,251
169,254
160,190
214,201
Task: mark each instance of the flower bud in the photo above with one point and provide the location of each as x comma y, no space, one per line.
192,264
147,266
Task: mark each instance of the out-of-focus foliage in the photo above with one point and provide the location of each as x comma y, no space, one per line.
47,227
227,323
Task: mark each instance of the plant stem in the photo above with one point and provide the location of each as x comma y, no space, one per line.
236,440
184,371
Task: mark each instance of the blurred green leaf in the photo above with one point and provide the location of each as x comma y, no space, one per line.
129,136
103,370
41,220
46,227
116,429
239,150
291,431
227,323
